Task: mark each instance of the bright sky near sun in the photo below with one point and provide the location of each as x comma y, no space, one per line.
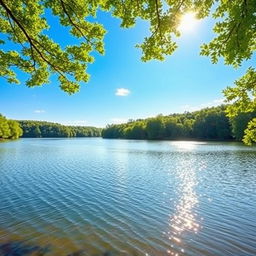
121,86
188,22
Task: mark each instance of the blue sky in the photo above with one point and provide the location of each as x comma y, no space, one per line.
185,81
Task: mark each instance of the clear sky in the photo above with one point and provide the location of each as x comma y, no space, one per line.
121,86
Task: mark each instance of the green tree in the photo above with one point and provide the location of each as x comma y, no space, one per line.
43,129
210,123
239,124
155,128
9,129
243,98
5,131
170,128
135,130
15,129
36,132
250,133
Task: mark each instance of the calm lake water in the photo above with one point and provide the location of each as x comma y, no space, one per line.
73,197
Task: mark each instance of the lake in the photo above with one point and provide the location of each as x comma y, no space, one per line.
90,196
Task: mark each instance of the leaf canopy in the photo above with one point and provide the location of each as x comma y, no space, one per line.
35,53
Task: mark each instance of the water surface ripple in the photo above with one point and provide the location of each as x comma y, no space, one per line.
74,197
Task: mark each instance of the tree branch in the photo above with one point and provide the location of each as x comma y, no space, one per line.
31,49
9,12
72,22
158,19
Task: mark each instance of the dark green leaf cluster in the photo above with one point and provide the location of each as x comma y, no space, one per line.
243,99
243,127
40,129
9,129
250,133
206,124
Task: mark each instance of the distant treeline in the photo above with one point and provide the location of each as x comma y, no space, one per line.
9,129
41,129
206,124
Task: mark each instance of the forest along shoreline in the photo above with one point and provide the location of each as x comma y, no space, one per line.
208,124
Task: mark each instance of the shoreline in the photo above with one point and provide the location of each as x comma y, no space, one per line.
165,139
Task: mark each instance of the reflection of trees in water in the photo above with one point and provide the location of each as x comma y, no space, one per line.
18,248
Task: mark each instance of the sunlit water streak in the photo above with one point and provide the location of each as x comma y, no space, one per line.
75,197
184,218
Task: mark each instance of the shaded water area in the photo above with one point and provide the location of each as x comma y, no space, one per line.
75,197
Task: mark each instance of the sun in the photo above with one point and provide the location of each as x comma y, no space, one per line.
188,22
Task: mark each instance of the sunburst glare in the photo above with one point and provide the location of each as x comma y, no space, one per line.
188,22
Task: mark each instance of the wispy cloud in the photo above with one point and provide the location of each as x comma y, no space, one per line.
122,92
213,103
39,111
118,120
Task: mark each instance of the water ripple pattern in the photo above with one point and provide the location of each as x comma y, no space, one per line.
75,197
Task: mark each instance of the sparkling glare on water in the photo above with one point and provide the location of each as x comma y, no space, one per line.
184,218
93,197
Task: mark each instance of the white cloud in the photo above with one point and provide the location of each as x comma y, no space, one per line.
39,111
122,92
118,120
213,103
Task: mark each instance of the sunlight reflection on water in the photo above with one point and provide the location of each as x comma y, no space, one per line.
186,145
184,218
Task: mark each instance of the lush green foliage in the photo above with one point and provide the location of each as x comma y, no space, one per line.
243,98
37,129
34,52
250,133
9,129
239,123
206,124
26,24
